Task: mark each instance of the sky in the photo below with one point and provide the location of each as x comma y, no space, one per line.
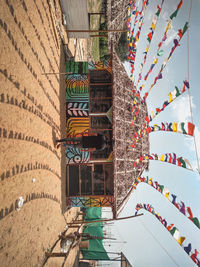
148,242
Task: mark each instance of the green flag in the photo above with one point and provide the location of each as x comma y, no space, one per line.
160,53
173,230
177,91
173,15
185,27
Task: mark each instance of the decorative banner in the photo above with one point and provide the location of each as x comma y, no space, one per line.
159,51
172,96
171,197
176,127
149,37
133,41
131,14
180,33
174,14
168,157
155,61
173,231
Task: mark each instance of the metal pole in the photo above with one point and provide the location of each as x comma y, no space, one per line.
96,30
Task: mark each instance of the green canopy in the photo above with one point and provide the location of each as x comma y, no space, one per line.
96,249
93,214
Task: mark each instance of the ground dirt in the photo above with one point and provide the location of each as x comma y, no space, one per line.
32,116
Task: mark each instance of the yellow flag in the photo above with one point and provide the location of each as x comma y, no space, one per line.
170,98
155,61
181,239
162,158
168,26
153,26
167,195
174,126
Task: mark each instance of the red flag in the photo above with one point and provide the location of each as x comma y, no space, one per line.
180,4
191,128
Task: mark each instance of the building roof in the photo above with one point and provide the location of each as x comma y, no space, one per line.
124,154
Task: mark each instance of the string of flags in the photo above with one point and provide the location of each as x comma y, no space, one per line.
131,14
180,34
149,37
173,231
168,157
169,25
186,128
133,40
164,38
172,96
187,211
178,127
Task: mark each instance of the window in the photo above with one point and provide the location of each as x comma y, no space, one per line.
100,76
90,179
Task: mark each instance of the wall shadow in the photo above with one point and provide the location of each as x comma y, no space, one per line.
63,127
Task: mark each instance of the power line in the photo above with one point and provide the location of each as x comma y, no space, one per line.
159,243
189,94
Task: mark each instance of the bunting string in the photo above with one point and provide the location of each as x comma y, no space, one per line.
168,157
187,211
172,96
133,40
131,14
164,38
173,231
169,25
149,38
176,127
180,33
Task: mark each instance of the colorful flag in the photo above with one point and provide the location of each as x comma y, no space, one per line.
169,158
171,197
178,127
176,44
172,96
173,230
149,37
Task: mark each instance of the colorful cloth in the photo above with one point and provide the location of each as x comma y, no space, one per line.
149,37
176,127
171,197
172,96
168,157
173,231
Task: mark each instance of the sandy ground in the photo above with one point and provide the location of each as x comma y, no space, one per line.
32,116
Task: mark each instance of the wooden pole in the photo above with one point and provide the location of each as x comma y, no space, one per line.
96,30
54,73
56,254
98,35
105,220
100,13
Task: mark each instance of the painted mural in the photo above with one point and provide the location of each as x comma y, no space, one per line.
78,123
90,201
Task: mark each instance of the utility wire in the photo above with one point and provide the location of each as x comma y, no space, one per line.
159,243
146,228
189,94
